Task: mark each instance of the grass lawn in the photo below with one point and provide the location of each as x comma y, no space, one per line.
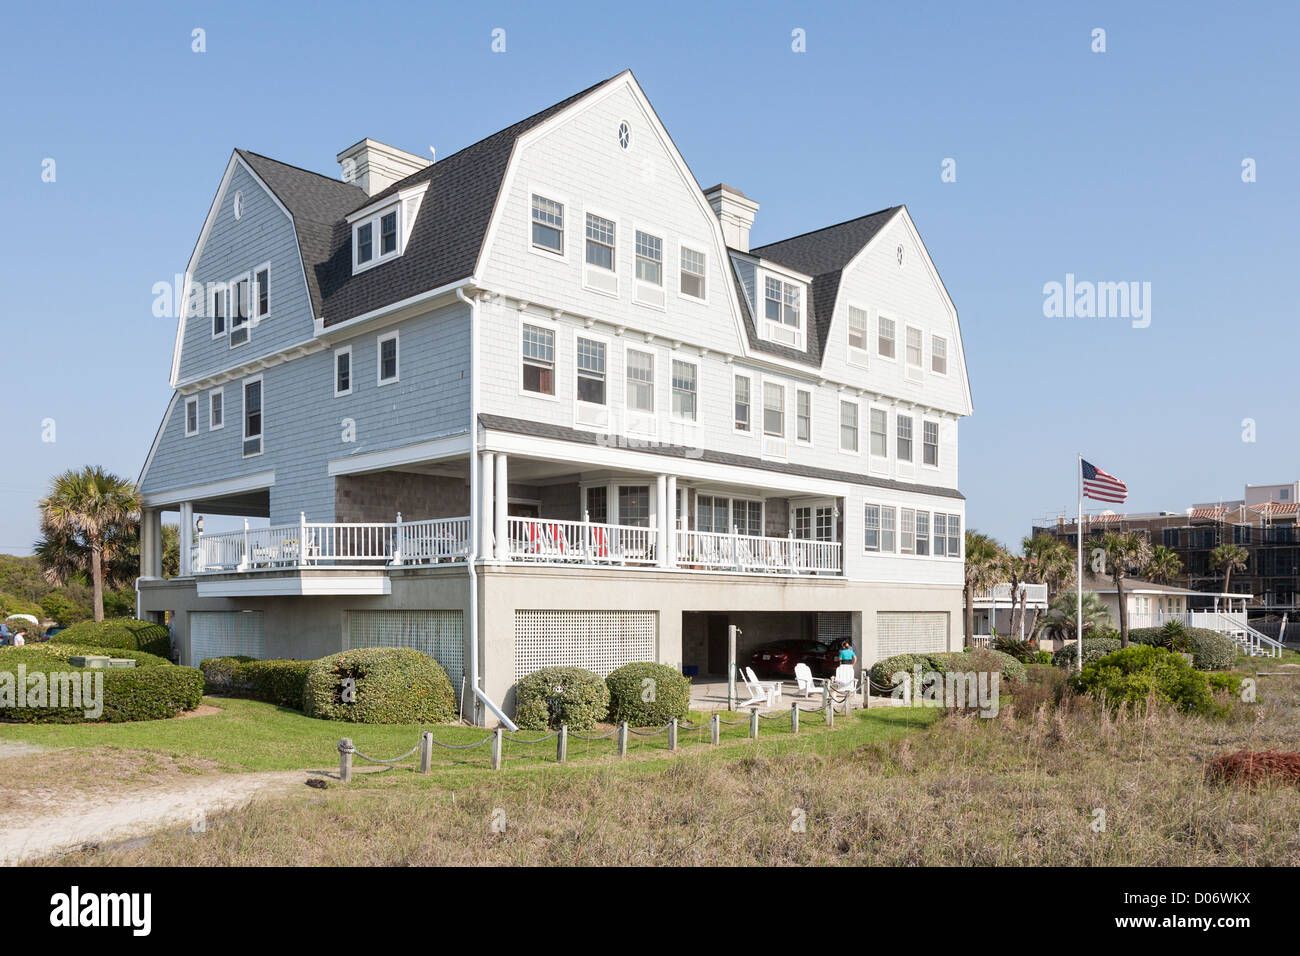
249,735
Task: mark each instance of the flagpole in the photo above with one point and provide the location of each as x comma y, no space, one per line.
1078,584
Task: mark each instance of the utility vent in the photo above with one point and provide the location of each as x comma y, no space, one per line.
225,634
910,632
600,641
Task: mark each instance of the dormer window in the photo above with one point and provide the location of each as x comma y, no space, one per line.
380,232
783,310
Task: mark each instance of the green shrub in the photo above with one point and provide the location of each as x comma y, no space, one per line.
1210,650
278,682
883,670
1042,657
124,632
1093,648
135,693
1131,675
141,658
561,695
669,690
393,685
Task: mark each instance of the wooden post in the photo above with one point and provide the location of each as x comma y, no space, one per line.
496,749
562,744
345,759
715,729
426,752
622,738
794,717
672,734
753,723
830,710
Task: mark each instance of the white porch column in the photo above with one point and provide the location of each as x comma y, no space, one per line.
185,539
151,543
661,515
502,509
672,521
486,477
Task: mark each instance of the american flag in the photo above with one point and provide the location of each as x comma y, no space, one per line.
1100,486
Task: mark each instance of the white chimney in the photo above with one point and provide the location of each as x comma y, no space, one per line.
736,212
375,166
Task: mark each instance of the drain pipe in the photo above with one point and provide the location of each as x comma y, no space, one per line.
474,514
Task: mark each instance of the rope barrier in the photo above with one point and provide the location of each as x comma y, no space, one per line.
536,740
733,723
779,715
682,726
393,760
573,736
649,733
461,746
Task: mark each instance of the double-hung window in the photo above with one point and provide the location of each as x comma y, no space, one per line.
939,354
219,299
774,409
880,433
634,505
388,370
262,280
923,532
878,528
649,258
591,371
376,238
548,224
885,337
915,352
216,409
947,535
365,242
930,443
538,351
857,335
640,381
239,312
907,531
191,416
803,415
685,384
388,233
904,437
253,417
782,302
692,273
600,242
849,426
742,411
343,371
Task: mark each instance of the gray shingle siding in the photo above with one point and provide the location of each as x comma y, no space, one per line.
303,426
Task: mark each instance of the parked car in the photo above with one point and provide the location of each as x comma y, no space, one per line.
54,630
780,657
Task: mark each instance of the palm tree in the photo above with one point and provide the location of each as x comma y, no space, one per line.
1164,566
1228,558
1016,570
983,561
1051,561
1125,553
1058,621
84,520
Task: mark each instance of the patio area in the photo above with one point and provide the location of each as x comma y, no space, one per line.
710,693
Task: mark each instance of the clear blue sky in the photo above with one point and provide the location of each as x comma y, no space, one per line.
1115,166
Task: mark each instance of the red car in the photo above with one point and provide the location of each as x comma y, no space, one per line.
780,657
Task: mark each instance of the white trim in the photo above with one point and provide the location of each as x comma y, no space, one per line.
232,304
812,404
587,266
541,325
938,443
692,247
211,311
699,390
857,424
214,392
585,333
246,584
566,208
256,293
345,329
748,377
243,415
380,339
653,232
879,355
654,381
913,374
762,322
377,256
192,402
944,340
235,372
213,489
857,357
352,371
435,449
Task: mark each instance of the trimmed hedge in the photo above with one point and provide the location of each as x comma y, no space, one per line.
1210,650
1093,649
278,682
982,659
1133,674
883,670
124,632
393,685
561,695
134,693
669,690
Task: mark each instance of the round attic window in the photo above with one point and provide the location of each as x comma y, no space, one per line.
624,135
239,204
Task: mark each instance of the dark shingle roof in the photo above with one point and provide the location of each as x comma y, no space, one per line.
316,203
822,254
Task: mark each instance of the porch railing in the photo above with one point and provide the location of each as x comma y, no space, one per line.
310,544
745,552
1233,624
334,544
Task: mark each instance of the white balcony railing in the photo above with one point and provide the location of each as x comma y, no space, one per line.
539,540
333,544
1001,594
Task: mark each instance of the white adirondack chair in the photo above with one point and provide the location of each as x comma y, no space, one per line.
844,681
804,680
769,691
756,694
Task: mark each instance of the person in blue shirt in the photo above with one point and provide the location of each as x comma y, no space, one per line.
846,653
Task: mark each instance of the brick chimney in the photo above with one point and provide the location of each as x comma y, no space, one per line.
375,166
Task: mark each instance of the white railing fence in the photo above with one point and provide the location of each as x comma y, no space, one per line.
551,541
744,552
1233,624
